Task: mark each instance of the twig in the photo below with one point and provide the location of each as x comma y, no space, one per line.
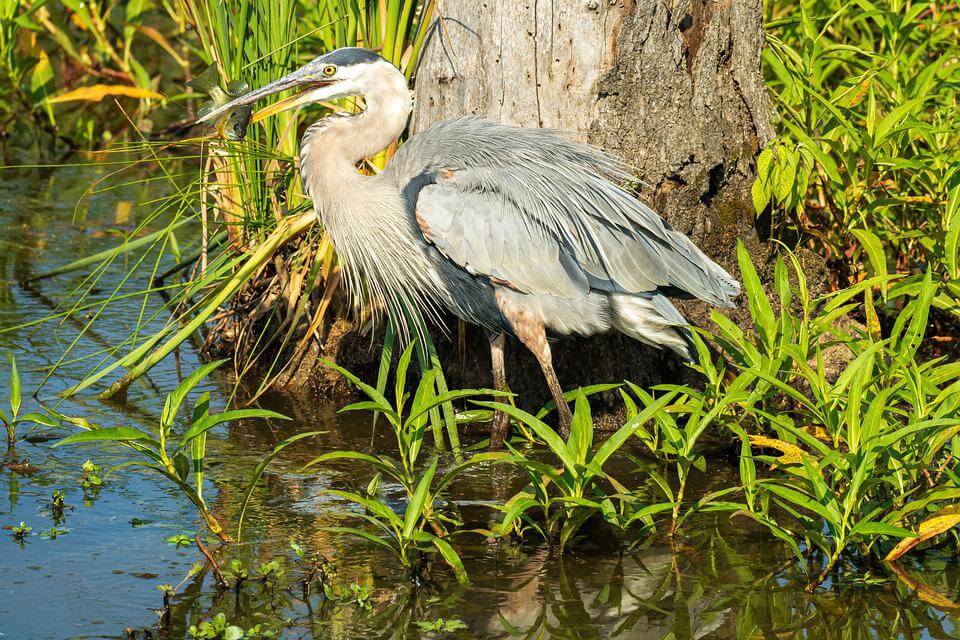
217,574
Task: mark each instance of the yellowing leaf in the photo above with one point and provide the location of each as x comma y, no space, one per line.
98,92
940,522
817,432
873,321
792,454
123,212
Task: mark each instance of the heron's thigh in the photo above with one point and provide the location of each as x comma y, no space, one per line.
526,323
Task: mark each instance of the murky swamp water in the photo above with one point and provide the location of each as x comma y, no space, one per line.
99,578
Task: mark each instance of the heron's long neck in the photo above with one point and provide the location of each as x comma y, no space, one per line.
366,215
332,147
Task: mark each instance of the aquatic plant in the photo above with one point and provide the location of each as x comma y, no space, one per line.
564,498
408,423
356,594
441,625
177,461
217,628
54,532
406,535
11,418
21,531
679,416
861,453
91,476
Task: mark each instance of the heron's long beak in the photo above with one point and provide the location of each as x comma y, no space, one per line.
295,80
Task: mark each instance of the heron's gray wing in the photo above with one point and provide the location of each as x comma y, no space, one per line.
568,192
486,234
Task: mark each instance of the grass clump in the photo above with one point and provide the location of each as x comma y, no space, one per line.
865,168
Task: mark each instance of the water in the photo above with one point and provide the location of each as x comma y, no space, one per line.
724,579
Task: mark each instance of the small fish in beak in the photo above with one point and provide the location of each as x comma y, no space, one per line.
232,124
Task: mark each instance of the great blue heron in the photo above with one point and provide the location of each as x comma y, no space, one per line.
520,231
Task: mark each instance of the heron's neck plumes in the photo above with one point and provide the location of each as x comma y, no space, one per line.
366,215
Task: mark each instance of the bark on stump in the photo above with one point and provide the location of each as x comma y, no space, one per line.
674,87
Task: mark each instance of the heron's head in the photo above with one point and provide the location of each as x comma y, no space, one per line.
346,72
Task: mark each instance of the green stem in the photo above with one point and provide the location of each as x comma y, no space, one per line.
285,231
682,472
826,569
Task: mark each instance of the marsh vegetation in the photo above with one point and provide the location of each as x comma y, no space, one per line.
801,481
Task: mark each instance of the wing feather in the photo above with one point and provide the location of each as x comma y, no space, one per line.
546,214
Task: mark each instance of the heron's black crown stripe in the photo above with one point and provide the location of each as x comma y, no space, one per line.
349,56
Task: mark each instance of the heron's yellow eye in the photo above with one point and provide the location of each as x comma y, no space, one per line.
329,70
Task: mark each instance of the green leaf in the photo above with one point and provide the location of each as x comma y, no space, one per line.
110,434
544,432
172,405
419,499
866,528
374,506
785,173
360,533
14,389
760,307
451,474
422,407
371,392
615,441
38,418
401,375
581,430
873,247
952,243
182,465
801,500
233,633
570,395
451,558
208,422
259,469
885,126
383,464
765,164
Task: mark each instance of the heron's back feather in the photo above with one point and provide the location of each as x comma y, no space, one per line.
545,214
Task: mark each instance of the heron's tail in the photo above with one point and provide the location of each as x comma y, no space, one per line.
652,319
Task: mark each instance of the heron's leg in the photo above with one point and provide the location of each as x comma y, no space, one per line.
501,421
545,358
532,332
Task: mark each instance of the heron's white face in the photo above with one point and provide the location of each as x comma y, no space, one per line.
317,81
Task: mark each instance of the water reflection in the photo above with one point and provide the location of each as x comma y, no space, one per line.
657,593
